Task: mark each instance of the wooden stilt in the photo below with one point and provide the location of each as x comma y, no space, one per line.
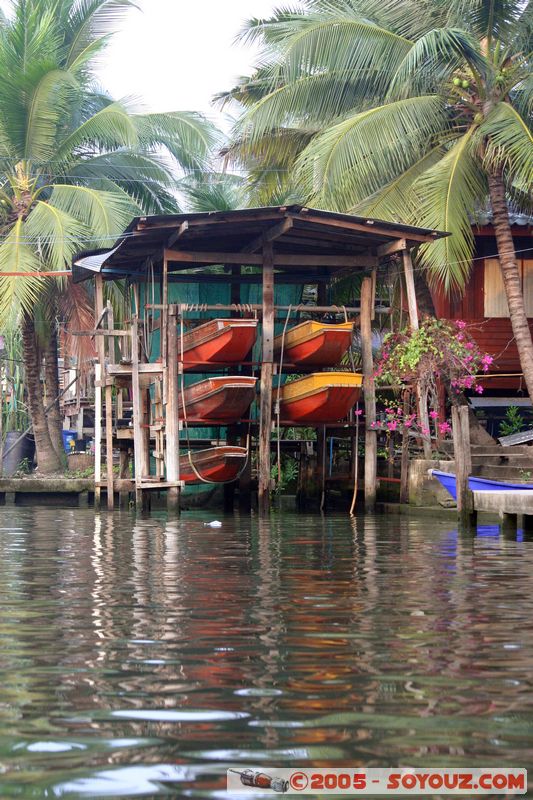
463,467
266,379
124,473
371,441
138,416
404,469
109,415
172,419
99,379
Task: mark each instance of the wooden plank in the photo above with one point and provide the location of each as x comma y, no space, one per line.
172,414
266,379
138,416
371,440
410,289
183,228
269,236
109,416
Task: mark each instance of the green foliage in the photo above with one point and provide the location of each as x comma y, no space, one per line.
289,474
513,422
403,109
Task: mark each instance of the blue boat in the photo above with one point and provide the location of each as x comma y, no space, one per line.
447,479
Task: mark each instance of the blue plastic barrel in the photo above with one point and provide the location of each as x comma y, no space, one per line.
67,437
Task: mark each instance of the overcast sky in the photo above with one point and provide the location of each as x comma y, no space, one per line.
175,55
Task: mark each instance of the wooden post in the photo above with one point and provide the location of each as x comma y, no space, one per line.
266,379
97,435
124,472
414,322
463,466
99,379
404,469
109,415
138,416
371,440
172,419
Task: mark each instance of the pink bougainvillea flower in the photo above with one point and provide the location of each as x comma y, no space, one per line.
358,412
479,389
460,323
373,424
392,425
469,345
424,431
434,414
444,428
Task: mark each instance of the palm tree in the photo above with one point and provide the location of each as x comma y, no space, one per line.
74,165
423,110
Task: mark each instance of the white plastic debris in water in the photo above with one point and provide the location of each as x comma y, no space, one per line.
214,524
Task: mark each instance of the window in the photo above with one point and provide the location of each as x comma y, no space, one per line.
495,299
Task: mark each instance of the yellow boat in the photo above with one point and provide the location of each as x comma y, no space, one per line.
320,397
315,343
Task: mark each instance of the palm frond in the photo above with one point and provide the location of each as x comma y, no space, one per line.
509,145
55,234
105,214
111,127
90,21
188,136
215,192
357,157
433,58
48,107
447,194
17,255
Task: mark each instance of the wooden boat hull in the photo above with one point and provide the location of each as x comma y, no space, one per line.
221,399
448,481
219,341
215,465
315,343
319,397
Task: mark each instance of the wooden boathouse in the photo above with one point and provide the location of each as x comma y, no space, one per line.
237,261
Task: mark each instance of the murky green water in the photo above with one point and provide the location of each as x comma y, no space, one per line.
140,657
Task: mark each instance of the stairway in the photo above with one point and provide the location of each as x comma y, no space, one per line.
500,463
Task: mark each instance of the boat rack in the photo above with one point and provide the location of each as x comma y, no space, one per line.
281,245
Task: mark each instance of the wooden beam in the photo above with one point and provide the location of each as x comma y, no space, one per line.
269,236
183,228
99,313
279,260
391,248
371,440
109,421
371,227
266,379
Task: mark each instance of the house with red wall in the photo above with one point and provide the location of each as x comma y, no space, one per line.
484,307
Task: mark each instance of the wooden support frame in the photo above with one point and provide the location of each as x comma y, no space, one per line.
279,260
99,375
371,440
109,419
463,466
267,370
269,235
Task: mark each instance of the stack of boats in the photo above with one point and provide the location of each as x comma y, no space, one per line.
315,398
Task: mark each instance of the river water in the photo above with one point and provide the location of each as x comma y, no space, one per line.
143,657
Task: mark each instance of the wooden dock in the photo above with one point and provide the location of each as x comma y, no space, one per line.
509,505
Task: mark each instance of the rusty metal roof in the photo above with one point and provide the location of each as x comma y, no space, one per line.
297,230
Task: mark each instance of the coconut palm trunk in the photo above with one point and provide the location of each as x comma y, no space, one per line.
51,381
47,457
511,276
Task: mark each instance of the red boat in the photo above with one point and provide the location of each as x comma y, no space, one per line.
219,341
320,397
216,465
315,343
220,399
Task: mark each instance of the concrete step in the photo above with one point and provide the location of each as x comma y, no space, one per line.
502,473
514,460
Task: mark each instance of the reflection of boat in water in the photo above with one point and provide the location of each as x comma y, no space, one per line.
219,341
448,480
315,343
320,397
215,465
224,399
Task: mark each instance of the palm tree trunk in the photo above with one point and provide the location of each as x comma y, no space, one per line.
47,458
51,382
511,276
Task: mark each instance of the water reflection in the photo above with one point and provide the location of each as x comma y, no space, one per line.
141,656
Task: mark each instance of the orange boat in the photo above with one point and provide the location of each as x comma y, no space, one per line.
315,343
222,398
219,341
319,397
215,465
